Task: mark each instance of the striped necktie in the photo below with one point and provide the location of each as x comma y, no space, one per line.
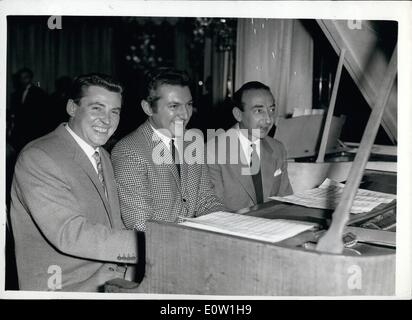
175,155
96,157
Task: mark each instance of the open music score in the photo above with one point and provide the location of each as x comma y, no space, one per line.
271,230
328,195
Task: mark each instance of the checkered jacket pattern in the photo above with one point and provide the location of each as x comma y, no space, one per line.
152,191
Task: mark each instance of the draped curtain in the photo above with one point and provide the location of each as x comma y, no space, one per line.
279,53
83,45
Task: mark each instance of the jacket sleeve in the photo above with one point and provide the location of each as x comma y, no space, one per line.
208,201
136,200
215,170
216,179
44,191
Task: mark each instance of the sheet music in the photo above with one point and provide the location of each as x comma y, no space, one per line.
329,193
271,230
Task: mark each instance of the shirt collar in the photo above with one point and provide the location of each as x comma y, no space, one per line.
245,140
165,139
87,148
246,144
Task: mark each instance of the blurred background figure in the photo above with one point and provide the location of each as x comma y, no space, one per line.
58,101
29,104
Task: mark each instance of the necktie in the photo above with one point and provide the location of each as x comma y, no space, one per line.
96,157
175,155
257,178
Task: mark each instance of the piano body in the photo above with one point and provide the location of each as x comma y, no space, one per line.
184,260
366,59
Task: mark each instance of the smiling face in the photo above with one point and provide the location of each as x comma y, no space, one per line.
172,108
258,113
96,116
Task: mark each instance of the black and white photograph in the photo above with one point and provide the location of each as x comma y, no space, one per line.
203,149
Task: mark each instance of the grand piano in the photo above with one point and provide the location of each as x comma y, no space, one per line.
351,255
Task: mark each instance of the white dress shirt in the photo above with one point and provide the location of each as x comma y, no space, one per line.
88,149
165,139
246,144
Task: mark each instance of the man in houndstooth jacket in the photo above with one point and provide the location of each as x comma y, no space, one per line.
152,189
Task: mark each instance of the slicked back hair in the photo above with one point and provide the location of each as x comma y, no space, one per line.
252,85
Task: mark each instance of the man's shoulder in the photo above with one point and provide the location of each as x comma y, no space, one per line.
222,134
51,142
276,145
37,92
35,88
135,140
223,143
52,146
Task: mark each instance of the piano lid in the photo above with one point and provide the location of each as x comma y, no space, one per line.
367,57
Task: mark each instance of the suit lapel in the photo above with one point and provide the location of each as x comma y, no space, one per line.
83,161
267,169
244,179
184,169
267,166
172,166
165,153
111,188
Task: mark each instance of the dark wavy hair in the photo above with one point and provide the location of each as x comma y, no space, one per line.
162,76
82,82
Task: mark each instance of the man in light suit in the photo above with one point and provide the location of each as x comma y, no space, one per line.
260,168
64,204
162,190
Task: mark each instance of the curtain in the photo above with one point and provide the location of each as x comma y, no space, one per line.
83,45
219,75
279,53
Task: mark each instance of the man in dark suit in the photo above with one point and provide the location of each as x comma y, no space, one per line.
64,204
254,165
154,179
30,105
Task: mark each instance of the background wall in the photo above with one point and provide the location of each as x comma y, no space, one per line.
279,53
81,46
